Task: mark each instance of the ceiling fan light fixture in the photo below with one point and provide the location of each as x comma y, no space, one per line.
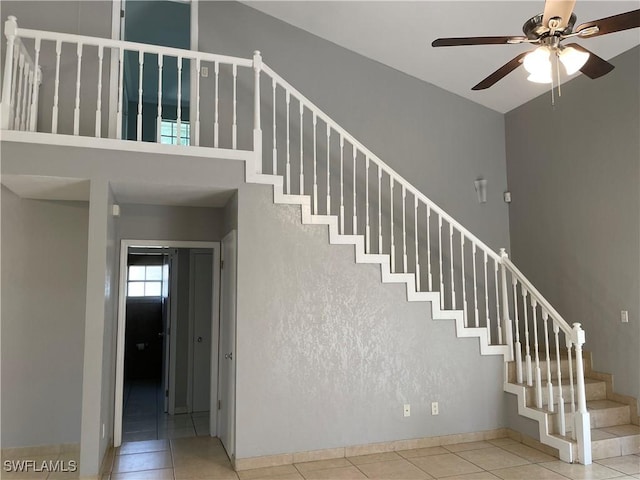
537,63
572,59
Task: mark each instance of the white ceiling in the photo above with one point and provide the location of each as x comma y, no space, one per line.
399,34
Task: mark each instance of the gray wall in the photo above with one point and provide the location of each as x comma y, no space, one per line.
44,266
574,171
438,140
327,355
161,222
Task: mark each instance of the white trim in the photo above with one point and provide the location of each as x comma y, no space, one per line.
120,335
121,145
173,319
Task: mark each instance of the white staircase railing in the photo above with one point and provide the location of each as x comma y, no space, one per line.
242,104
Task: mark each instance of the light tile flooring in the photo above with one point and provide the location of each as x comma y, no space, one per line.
144,418
205,458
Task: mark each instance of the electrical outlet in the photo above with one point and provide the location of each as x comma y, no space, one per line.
624,316
434,408
204,72
407,410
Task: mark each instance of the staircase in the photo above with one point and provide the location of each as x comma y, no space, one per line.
313,162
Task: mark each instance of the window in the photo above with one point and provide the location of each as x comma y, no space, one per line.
169,132
145,281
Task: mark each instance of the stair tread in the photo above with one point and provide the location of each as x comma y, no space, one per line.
604,433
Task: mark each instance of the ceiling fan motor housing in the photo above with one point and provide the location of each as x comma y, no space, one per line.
534,29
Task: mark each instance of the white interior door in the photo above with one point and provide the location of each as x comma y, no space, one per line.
227,388
202,285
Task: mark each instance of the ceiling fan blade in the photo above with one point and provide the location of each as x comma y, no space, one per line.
558,8
502,72
454,42
616,23
595,67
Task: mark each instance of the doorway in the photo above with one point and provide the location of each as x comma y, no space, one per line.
167,344
168,23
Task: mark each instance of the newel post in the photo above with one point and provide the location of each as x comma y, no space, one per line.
10,31
506,321
581,421
257,129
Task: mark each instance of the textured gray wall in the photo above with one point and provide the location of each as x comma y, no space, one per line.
327,355
438,140
161,222
575,228
44,267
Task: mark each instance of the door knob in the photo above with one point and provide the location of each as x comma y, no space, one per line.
199,340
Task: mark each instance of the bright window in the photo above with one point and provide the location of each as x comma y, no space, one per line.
145,281
169,132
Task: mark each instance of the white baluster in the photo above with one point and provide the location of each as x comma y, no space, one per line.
441,261
341,184
257,127
76,110
99,100
120,93
288,168
140,79
33,110
315,165
392,229
572,393
302,149
21,84
429,276
518,346
486,298
355,208
379,209
464,283
216,114
563,429
328,170
475,286
415,234
13,105
234,127
179,101
159,114
274,168
26,120
367,235
404,229
536,351
196,129
498,322
545,318
10,31
453,286
527,352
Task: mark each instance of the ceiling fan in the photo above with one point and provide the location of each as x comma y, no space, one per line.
548,30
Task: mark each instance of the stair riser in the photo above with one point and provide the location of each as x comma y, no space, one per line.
593,391
615,447
606,417
564,369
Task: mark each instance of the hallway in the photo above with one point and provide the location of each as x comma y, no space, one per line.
144,418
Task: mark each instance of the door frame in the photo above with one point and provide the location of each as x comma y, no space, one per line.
121,328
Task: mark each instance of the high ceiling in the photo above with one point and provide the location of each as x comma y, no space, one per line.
399,34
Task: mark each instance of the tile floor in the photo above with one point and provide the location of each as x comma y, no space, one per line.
144,418
205,458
